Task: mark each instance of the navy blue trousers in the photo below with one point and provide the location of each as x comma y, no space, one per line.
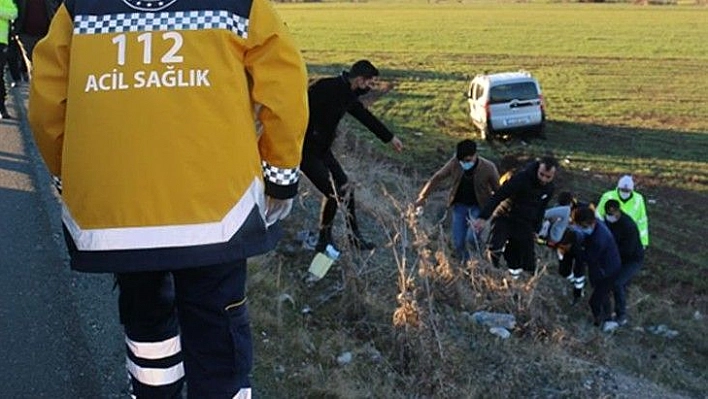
191,325
600,300
629,270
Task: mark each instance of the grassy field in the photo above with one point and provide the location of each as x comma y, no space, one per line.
626,92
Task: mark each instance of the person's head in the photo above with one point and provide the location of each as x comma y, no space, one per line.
612,211
547,167
565,198
585,219
466,153
625,186
362,76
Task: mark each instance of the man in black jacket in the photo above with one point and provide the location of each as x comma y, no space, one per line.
626,235
329,99
517,210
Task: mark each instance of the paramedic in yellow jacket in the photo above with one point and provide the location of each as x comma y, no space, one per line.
145,112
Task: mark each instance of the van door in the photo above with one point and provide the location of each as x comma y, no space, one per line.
477,104
515,105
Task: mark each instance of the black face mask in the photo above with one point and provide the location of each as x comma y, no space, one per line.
361,92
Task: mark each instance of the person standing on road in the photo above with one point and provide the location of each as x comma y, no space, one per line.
517,210
329,99
631,251
474,180
145,111
32,24
8,12
600,254
631,202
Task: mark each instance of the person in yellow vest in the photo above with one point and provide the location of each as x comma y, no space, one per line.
144,110
631,203
8,12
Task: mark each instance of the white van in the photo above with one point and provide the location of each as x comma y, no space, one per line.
506,102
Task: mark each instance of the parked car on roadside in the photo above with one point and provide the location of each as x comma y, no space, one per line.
506,102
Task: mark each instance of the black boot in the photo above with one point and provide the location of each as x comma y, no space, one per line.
358,242
325,239
355,237
577,295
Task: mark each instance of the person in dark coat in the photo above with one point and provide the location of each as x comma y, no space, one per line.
329,99
601,256
516,212
631,251
31,24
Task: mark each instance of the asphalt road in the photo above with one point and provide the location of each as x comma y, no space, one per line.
59,333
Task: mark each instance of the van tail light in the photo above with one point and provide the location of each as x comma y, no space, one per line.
486,110
543,103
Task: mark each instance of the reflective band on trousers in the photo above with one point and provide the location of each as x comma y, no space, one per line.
579,282
155,377
244,393
155,350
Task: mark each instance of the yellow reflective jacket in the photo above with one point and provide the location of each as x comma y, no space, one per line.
633,206
8,12
145,110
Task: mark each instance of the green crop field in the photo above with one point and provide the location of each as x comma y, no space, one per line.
624,85
626,91
602,68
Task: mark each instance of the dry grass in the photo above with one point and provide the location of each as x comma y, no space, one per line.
403,314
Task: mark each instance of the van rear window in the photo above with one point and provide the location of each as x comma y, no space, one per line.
513,91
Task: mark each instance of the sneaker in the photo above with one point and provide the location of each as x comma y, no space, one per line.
622,320
308,239
609,326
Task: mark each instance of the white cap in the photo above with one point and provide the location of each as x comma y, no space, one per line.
626,182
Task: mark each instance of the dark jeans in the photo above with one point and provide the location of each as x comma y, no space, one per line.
600,300
329,177
622,281
16,61
516,240
3,62
189,324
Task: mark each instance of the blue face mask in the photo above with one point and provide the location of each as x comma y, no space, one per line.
467,165
587,230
